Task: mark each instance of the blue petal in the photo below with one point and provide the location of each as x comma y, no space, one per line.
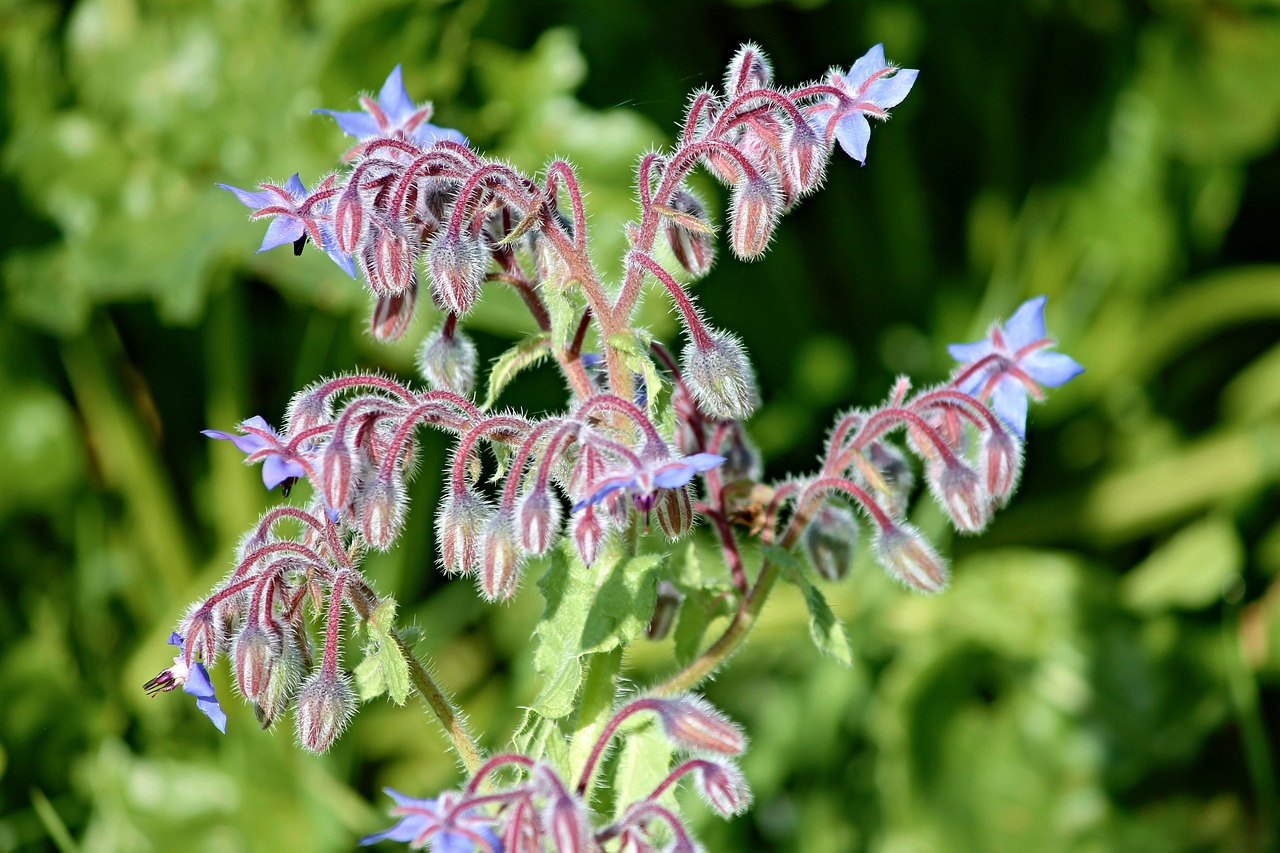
870,62
277,469
282,230
606,488
888,92
1009,402
344,261
258,422
453,842
1051,369
1026,325
853,132
704,461
255,200
246,444
427,135
360,125
969,353
295,187
673,475
199,686
407,828
175,639
394,100
211,709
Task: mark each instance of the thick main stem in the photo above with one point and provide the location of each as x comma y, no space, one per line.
454,726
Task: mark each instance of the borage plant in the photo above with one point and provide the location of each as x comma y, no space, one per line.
581,491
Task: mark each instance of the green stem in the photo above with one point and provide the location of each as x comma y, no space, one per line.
1243,689
454,726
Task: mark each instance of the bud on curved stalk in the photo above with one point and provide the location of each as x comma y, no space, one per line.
460,523
566,824
753,214
690,722
690,235
457,266
588,535
959,490
254,652
307,410
205,629
721,377
539,517
392,312
325,706
348,218
723,787
896,472
280,686
830,539
448,362
335,465
749,69
501,559
903,552
806,158
665,609
1002,455
675,512
390,262
381,512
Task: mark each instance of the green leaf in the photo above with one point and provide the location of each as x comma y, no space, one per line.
643,762
635,348
563,311
825,629
1188,572
384,669
687,221
525,354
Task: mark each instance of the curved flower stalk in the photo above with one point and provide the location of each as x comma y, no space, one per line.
643,435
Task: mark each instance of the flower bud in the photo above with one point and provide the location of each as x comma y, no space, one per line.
254,652
806,158
460,523
348,218
675,512
960,491
721,378
325,706
902,551
1002,454
381,512
335,465
741,458
723,787
830,539
205,633
693,246
501,559
691,723
448,362
565,821
896,473
588,535
753,214
457,268
665,610
749,69
307,410
539,517
392,312
280,685
390,261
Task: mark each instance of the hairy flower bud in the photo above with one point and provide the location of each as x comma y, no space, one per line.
539,519
830,539
254,652
348,218
460,523
1002,457
749,69
448,362
960,491
205,632
753,214
721,378
381,512
723,787
286,673
806,158
392,312
325,706
675,512
389,262
457,268
741,458
665,609
588,535
501,559
692,723
335,466
307,410
566,824
903,552
896,473
690,234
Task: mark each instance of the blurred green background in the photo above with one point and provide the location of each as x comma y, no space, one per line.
1104,673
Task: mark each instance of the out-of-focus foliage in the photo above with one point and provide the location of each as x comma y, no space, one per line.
1104,673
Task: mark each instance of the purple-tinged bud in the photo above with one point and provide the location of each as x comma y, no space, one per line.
690,722
325,706
806,158
254,652
279,689
457,270
459,525
665,610
753,213
896,473
675,512
539,516
390,262
749,69
335,464
721,378
903,552
501,559
1002,455
381,512
723,787
348,219
448,362
830,539
960,491
689,234
588,535
307,410
565,822
392,312
205,633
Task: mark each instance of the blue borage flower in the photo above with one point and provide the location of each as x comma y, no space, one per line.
422,822
643,482
260,443
194,680
394,114
294,217
872,88
1012,362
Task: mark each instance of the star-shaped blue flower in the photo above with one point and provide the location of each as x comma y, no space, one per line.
1012,362
193,679
260,443
394,114
421,820
644,481
295,217
871,88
